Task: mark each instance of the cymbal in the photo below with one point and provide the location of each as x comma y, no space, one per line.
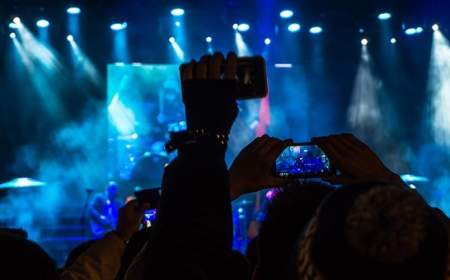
410,178
22,182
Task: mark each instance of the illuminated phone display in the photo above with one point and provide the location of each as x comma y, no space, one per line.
302,161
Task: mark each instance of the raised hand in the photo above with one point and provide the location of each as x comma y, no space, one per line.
355,160
252,169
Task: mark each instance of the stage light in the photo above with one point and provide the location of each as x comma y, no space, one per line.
42,23
435,27
177,12
73,10
13,25
70,38
294,27
315,30
283,65
384,16
286,14
393,40
364,42
172,40
410,31
17,20
208,39
419,30
12,35
267,41
118,26
177,23
243,27
235,26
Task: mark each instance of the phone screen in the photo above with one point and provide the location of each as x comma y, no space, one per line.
149,218
302,161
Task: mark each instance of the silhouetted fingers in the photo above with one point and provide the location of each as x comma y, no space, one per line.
230,66
215,64
187,70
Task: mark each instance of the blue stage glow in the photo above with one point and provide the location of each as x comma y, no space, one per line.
42,23
177,12
243,27
12,35
118,26
267,41
177,23
435,27
286,14
393,40
73,10
419,30
294,27
384,16
208,39
364,42
172,40
315,30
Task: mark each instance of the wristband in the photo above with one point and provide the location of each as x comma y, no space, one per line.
190,137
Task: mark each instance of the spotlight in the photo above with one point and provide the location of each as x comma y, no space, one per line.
12,35
393,40
419,30
118,26
177,23
364,42
13,25
208,39
286,14
17,20
235,26
177,12
42,23
73,10
70,38
267,41
435,27
243,27
294,27
172,40
315,30
410,31
384,16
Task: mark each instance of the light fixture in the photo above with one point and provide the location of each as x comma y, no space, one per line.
294,27
384,16
286,13
73,10
177,12
42,23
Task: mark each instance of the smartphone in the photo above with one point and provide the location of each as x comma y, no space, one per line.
303,160
150,196
251,75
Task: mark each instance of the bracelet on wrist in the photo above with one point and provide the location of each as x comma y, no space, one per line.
195,136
